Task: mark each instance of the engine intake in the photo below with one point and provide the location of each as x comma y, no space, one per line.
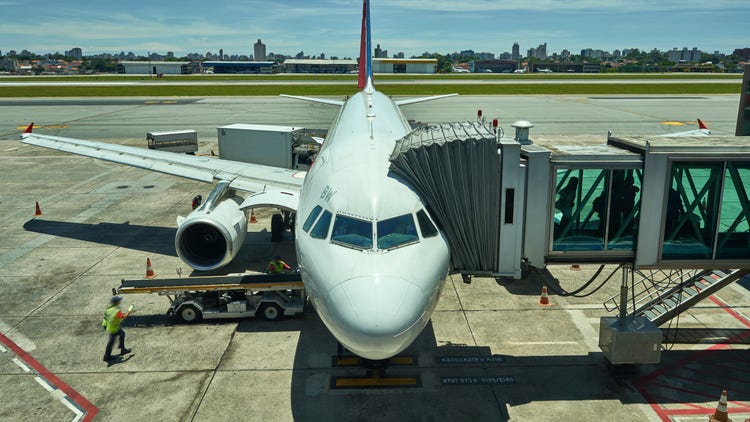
210,236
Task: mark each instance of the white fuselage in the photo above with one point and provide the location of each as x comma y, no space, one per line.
375,298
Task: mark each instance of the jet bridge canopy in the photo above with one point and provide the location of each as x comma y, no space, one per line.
454,168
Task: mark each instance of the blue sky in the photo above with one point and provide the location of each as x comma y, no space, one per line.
409,26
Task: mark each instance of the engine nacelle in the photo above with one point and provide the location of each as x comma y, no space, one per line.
210,236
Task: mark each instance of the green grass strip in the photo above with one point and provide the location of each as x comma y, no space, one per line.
341,90
378,77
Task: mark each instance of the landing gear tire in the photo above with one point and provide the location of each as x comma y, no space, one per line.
190,314
270,312
277,228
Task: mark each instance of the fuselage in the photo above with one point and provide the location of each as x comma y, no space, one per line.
371,258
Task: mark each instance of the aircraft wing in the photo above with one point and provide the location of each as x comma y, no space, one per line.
423,99
243,176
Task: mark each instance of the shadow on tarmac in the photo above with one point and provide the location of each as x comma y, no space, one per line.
689,376
159,240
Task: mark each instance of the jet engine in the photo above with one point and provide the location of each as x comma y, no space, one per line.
210,236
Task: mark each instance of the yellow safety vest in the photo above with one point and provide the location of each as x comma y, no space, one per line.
276,267
111,322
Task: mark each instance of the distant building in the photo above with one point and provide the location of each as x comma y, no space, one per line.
541,52
259,51
684,55
75,53
516,52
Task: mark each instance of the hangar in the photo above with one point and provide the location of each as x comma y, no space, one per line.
232,67
320,66
155,68
428,66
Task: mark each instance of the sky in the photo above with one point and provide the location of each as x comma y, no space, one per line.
409,26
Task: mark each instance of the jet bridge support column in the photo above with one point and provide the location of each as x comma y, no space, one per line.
511,210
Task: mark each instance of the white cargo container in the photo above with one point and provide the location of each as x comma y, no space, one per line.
278,146
185,141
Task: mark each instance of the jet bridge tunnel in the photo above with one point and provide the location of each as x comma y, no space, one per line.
647,202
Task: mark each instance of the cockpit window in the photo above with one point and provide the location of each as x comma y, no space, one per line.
396,231
320,231
428,229
352,232
311,218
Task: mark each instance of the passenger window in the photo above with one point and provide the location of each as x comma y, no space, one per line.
397,231
311,218
352,232
425,225
320,231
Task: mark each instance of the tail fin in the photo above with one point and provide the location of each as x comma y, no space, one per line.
701,125
365,48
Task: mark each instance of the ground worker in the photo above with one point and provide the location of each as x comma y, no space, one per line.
277,266
197,201
113,316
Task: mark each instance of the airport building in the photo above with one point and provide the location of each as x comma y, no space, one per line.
319,66
566,67
238,67
493,66
424,66
156,68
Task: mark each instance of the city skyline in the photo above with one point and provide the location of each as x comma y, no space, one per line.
332,26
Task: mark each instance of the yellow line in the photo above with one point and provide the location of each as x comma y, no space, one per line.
673,123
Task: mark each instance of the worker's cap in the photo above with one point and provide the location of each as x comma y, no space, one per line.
115,299
277,257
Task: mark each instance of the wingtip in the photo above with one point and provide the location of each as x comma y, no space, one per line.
701,124
29,128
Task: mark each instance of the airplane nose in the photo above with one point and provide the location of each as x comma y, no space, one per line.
377,309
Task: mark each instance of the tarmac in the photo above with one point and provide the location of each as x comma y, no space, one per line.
490,352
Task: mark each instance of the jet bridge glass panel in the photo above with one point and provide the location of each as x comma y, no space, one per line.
596,210
707,211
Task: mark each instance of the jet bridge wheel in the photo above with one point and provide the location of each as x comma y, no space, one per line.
190,314
271,311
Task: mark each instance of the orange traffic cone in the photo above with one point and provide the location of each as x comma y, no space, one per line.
544,300
38,211
149,271
252,217
575,267
721,415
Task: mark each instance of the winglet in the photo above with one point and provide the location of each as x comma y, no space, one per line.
365,49
701,125
29,128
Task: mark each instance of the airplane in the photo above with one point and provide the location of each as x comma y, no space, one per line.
702,130
523,70
457,69
544,70
372,258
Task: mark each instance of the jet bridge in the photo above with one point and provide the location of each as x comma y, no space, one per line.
645,202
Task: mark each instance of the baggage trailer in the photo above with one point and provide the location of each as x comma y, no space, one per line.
228,296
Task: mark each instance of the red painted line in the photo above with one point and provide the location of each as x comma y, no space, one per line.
665,414
81,401
732,312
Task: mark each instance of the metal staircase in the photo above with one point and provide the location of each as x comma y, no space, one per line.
663,294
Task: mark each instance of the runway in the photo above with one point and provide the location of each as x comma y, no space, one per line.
490,351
